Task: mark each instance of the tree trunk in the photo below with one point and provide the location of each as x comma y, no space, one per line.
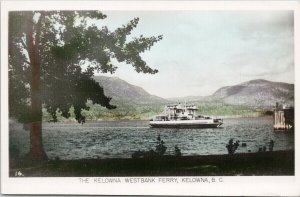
36,146
37,152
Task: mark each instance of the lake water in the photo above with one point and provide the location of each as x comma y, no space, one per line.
120,139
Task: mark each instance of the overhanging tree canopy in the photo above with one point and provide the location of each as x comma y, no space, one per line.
46,54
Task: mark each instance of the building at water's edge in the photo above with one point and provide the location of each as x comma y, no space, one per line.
283,118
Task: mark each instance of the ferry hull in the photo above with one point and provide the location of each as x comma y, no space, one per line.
187,125
178,116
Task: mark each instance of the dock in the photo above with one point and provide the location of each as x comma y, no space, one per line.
283,118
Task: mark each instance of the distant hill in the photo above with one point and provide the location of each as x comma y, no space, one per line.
190,99
256,93
260,93
123,92
248,99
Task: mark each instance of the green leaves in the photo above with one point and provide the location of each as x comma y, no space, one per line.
137,46
65,41
92,14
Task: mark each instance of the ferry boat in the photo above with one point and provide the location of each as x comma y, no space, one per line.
178,116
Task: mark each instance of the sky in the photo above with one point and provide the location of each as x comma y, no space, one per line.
202,51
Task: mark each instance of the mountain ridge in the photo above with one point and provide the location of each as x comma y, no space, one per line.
258,92
122,91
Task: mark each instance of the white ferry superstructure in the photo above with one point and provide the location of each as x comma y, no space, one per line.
178,116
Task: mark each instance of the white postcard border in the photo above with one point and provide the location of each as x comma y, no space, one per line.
231,185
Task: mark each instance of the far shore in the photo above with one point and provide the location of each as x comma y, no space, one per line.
124,120
276,163
146,119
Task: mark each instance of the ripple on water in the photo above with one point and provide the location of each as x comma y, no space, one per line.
120,139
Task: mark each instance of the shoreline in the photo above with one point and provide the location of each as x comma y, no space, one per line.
127,120
12,121
276,163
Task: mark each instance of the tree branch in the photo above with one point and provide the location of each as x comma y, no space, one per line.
27,62
24,44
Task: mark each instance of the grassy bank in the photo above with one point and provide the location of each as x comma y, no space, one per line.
262,163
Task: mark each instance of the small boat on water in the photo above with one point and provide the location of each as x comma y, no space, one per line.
178,116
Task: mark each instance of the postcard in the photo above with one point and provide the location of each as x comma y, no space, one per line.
150,97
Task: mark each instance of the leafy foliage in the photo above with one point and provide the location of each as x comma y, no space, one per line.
160,148
223,109
135,111
159,151
232,147
65,41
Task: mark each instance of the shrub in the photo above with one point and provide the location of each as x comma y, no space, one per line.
177,151
232,147
160,147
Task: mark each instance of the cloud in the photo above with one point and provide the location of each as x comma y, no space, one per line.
204,50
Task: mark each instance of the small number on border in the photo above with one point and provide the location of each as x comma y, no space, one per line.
19,173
